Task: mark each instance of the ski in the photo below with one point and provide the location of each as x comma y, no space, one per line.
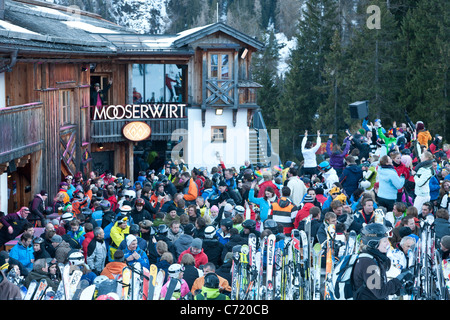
66,280
31,289
40,291
251,290
171,288
261,289
88,293
271,239
159,284
278,274
153,272
305,263
243,271
136,281
126,277
331,231
74,279
235,273
350,246
83,284
317,259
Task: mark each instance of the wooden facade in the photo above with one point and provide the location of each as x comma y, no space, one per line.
46,116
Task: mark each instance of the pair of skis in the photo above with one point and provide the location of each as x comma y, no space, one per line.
155,283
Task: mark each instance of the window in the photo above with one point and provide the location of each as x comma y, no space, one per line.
159,83
220,84
66,102
218,134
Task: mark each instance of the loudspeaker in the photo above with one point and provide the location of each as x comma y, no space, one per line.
359,109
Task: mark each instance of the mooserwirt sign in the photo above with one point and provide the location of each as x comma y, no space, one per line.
140,111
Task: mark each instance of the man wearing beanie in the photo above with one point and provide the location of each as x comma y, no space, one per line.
196,250
133,253
62,249
445,247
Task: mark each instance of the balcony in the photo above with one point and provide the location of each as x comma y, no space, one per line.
22,130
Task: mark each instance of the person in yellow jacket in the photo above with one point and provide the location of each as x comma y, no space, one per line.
118,233
423,135
287,166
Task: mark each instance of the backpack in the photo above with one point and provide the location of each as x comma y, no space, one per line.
342,276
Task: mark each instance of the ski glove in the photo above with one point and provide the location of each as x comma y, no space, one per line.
405,276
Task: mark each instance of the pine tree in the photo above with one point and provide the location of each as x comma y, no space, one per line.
301,98
375,71
265,73
426,33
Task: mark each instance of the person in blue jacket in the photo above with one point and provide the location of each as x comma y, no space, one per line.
390,182
134,254
351,176
23,251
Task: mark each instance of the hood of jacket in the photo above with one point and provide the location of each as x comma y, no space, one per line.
353,168
284,202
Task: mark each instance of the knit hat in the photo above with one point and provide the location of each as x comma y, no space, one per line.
308,198
118,255
197,243
445,241
130,238
189,229
404,231
57,238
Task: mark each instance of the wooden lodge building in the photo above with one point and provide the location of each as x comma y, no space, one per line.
188,95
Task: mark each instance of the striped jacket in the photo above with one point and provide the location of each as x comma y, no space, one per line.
284,212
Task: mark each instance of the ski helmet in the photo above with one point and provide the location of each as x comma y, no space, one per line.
175,269
100,279
272,225
139,201
129,193
249,224
239,210
67,217
372,233
76,258
210,231
211,281
163,229
324,165
125,209
227,222
105,205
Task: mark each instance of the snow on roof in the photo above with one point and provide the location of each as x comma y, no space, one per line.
87,27
12,27
52,11
165,42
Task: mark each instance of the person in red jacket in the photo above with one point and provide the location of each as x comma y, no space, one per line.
89,229
308,201
196,250
267,176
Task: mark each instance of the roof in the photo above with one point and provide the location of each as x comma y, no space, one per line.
31,25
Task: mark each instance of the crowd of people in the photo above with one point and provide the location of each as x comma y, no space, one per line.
186,221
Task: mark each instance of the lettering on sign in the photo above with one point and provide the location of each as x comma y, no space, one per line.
140,111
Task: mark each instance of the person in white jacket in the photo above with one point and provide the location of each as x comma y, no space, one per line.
298,188
424,172
309,154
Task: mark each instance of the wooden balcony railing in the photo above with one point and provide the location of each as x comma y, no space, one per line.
21,130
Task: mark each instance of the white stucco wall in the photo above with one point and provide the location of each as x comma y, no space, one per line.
202,153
